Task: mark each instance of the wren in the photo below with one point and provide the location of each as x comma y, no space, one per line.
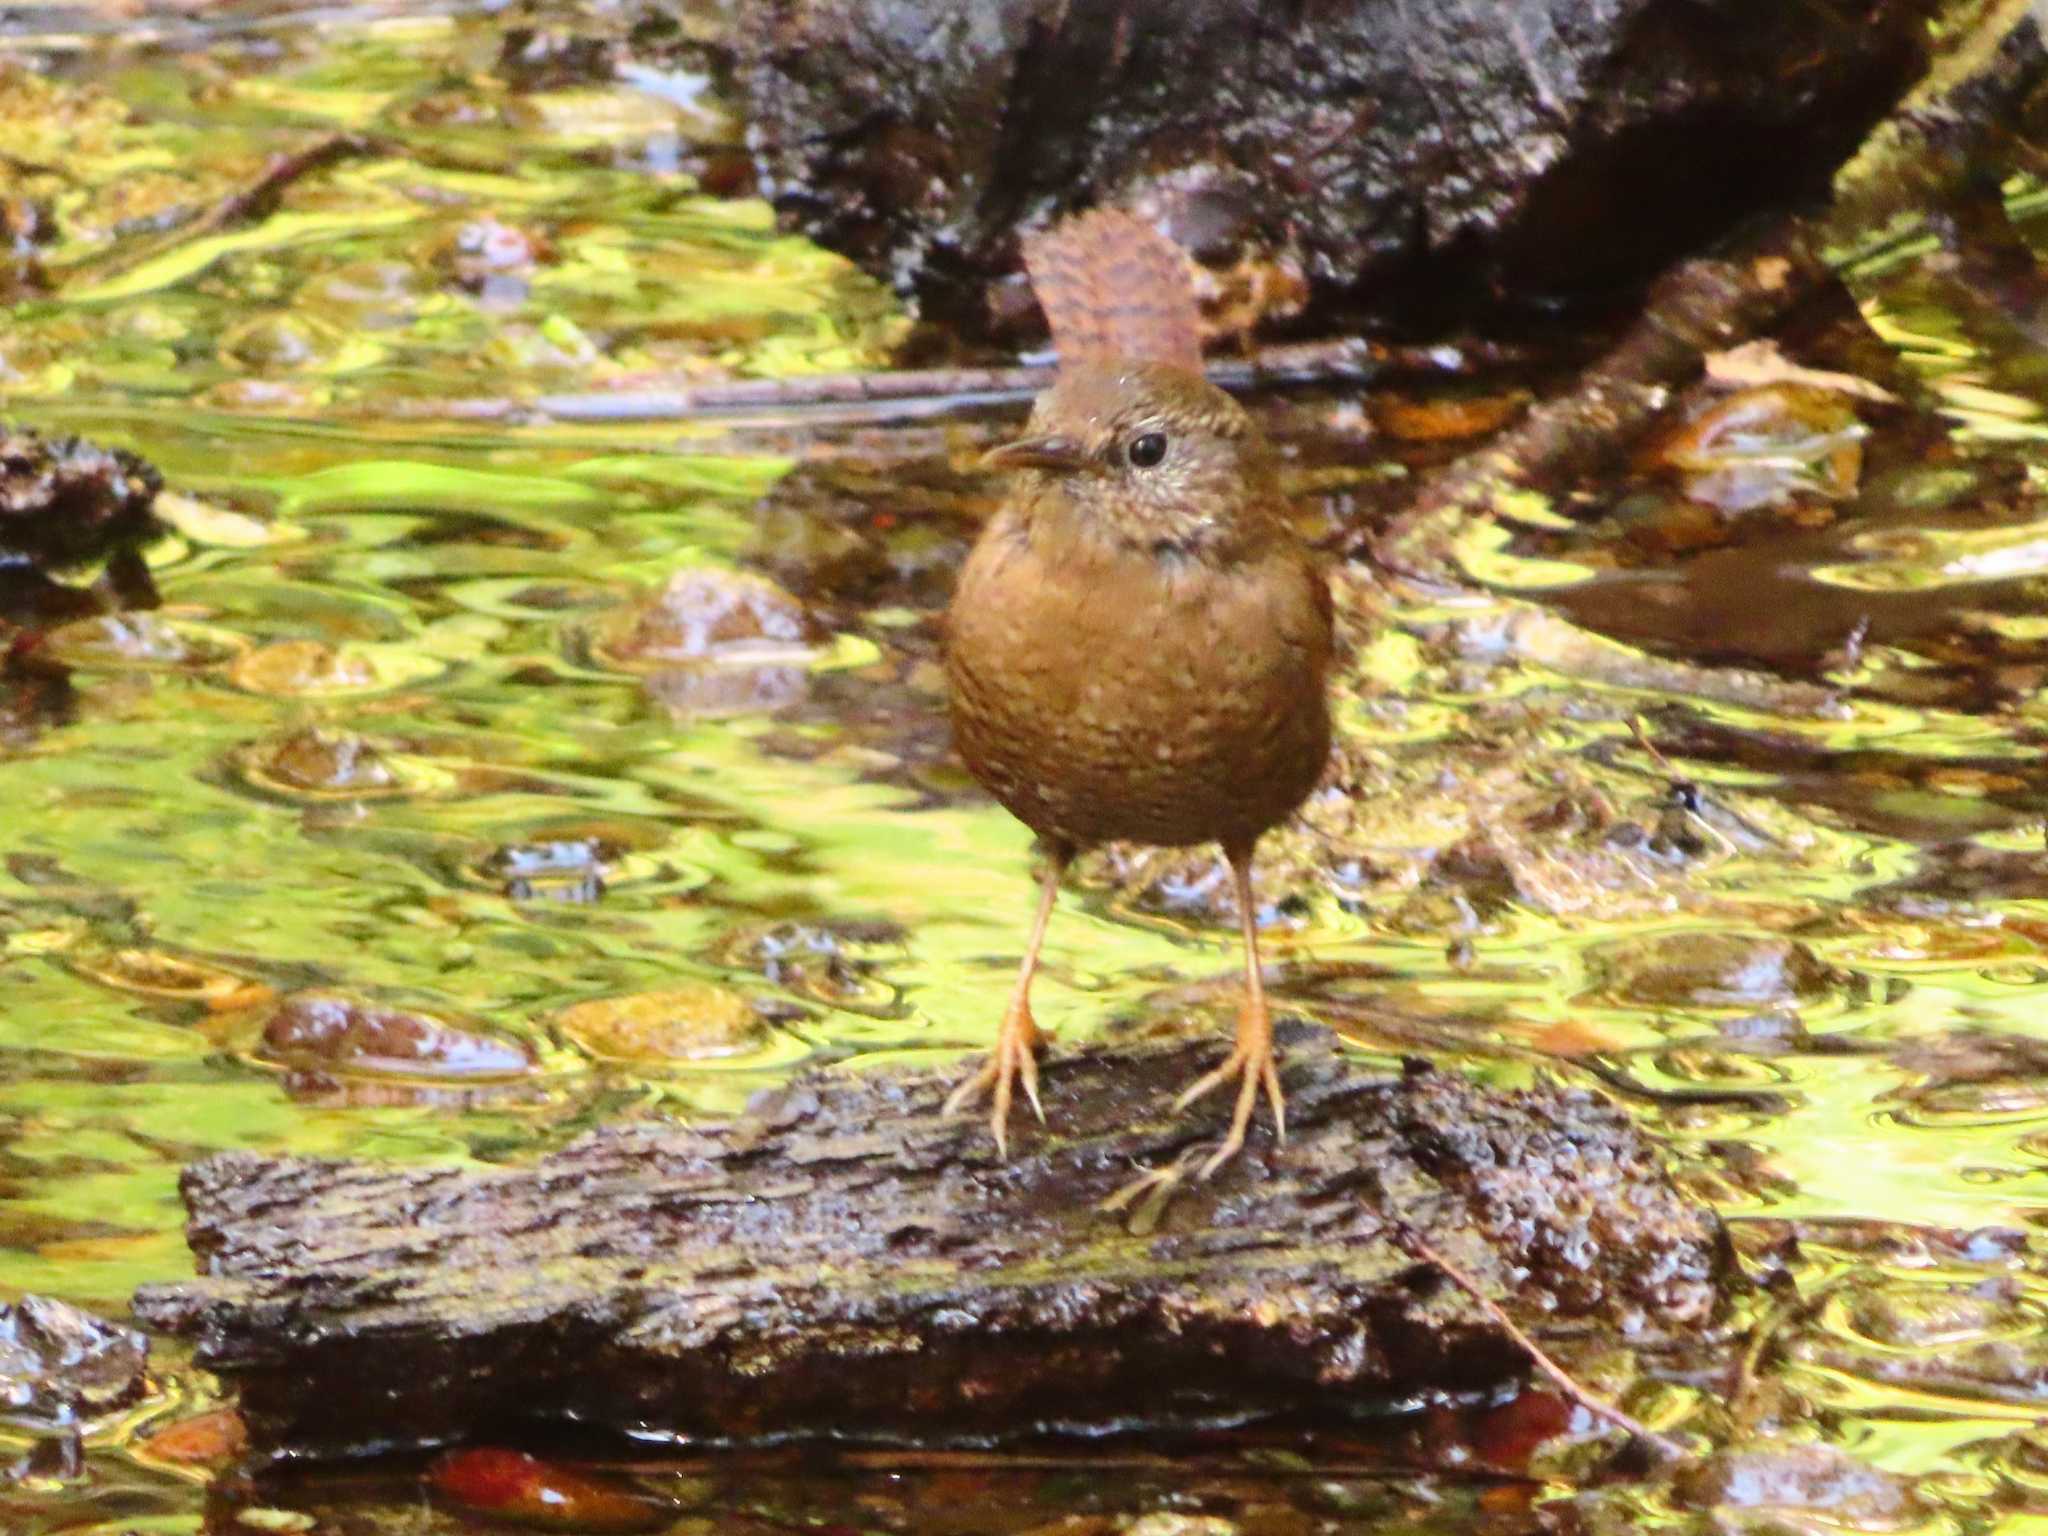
1139,643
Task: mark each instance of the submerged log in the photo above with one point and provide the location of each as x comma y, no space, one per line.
843,1261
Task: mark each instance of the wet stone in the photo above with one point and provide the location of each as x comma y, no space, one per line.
373,294
1928,1317
846,1259
320,761
302,667
572,869
489,258
1715,970
212,1437
66,502
167,977
1783,1476
711,615
709,693
828,964
540,1495
686,1023
327,1030
887,130
60,1364
848,534
1765,446
555,56
275,344
130,639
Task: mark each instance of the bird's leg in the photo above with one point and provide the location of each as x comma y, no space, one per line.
1015,1057
1251,1059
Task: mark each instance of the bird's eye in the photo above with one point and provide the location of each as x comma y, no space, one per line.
1146,449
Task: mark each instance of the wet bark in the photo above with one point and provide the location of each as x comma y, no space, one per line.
843,1261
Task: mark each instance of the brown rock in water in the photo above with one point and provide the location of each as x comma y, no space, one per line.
845,1261
1383,149
1764,447
691,1022
65,502
1708,968
713,615
314,759
59,1364
323,1030
1808,1478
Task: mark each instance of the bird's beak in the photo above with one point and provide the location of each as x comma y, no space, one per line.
1052,453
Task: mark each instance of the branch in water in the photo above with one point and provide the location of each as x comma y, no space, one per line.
641,398
254,201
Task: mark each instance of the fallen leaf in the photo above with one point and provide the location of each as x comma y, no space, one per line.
1760,362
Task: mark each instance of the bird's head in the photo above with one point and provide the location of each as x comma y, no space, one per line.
1149,454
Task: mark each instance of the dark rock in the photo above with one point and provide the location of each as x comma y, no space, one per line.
846,1261
1388,147
59,1364
67,502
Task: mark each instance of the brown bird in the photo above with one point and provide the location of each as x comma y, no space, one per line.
1139,643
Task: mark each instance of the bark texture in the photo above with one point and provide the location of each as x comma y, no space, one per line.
842,1261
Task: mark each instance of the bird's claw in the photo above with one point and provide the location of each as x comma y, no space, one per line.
1251,1064
1014,1060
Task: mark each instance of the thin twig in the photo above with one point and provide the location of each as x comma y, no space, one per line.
253,201
1414,1243
657,397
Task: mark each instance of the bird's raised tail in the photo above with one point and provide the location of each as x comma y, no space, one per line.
1112,286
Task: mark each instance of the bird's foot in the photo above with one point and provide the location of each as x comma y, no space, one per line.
1013,1061
1252,1066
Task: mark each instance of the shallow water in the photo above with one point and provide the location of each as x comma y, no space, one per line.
352,555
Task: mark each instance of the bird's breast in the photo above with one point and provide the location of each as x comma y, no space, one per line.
1102,692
